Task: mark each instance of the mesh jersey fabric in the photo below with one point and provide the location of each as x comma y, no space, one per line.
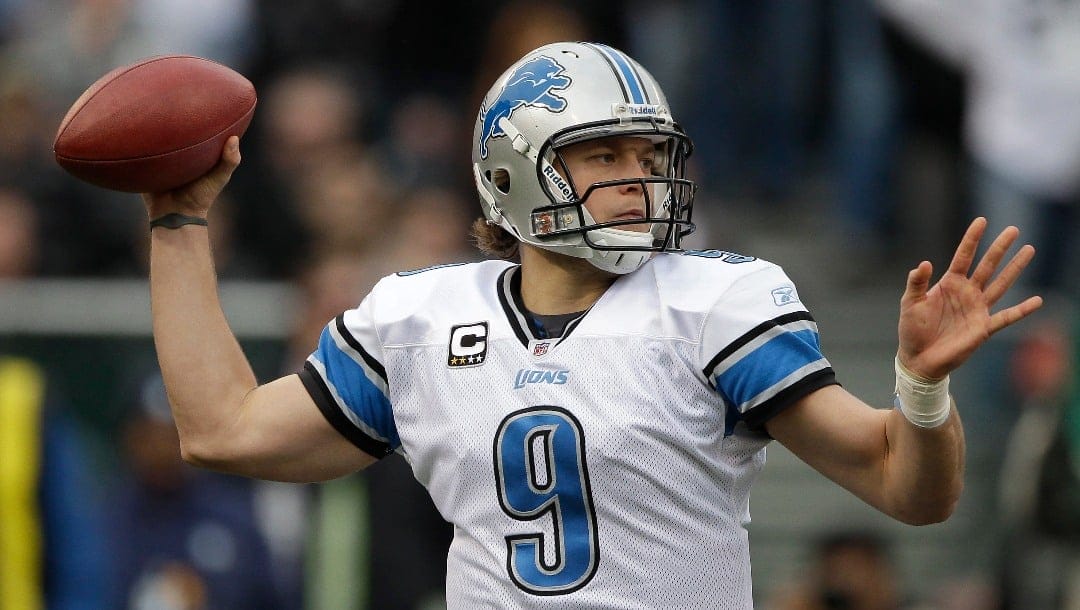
609,468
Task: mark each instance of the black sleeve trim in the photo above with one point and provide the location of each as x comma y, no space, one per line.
315,386
752,334
755,418
353,343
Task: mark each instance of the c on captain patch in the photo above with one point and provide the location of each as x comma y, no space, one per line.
468,345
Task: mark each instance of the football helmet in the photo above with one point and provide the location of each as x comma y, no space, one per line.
566,93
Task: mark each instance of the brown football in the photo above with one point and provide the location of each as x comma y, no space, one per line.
154,125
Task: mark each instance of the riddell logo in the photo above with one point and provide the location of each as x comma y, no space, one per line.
468,345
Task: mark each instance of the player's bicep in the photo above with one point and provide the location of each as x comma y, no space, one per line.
283,436
838,435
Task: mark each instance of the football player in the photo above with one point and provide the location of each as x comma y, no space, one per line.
591,414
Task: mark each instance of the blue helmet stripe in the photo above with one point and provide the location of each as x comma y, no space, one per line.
626,73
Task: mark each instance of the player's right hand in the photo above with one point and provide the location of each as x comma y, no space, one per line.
196,197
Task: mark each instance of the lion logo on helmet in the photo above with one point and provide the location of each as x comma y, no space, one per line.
531,84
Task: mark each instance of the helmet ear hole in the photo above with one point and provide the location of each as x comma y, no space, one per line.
501,179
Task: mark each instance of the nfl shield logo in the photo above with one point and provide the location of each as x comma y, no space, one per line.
540,349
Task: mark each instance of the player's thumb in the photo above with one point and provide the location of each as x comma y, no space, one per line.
230,160
918,281
214,182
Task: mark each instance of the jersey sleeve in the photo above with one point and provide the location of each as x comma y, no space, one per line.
347,380
761,348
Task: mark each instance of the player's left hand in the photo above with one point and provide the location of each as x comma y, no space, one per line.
941,326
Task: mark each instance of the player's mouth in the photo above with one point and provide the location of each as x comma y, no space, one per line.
631,216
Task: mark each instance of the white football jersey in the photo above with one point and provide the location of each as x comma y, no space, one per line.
608,468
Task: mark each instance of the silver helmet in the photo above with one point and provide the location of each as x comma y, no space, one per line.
565,93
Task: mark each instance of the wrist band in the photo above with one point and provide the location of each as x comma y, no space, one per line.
175,221
923,402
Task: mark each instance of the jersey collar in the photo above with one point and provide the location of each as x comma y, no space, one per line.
509,289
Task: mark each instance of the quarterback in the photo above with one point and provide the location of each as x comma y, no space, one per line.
591,411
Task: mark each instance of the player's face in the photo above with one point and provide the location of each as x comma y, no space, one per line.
614,158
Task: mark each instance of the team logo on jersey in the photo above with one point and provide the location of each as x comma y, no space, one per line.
540,349
526,376
733,258
468,345
530,85
784,295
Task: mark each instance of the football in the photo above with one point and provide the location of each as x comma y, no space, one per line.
154,125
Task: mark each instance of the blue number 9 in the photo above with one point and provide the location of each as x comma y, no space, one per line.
540,469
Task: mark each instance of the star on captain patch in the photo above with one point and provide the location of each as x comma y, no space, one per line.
468,345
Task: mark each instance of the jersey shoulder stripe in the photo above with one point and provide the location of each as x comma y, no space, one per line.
759,345
374,365
324,399
770,367
350,387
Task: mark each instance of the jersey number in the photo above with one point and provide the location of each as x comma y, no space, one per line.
540,470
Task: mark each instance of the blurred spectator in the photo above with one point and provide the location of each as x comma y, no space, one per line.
1022,132
1040,479
350,33
54,51
26,127
519,27
779,95
864,131
742,84
221,30
429,229
849,570
310,119
424,138
346,205
183,539
19,236
76,229
51,551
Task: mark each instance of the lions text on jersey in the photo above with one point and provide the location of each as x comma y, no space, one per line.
608,468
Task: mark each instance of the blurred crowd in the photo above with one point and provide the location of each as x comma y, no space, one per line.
895,120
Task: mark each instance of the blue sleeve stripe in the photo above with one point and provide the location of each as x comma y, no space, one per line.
797,319
357,390
332,411
366,408
338,345
756,417
785,358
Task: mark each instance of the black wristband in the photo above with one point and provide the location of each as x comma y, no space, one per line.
175,221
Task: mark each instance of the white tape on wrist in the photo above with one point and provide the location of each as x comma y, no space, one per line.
923,402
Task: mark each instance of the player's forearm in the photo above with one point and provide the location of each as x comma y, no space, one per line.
205,370
923,473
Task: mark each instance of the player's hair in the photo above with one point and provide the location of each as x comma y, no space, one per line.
494,241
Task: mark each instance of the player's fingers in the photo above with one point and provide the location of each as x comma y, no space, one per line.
1009,274
965,252
918,281
230,154
1012,315
230,160
994,254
